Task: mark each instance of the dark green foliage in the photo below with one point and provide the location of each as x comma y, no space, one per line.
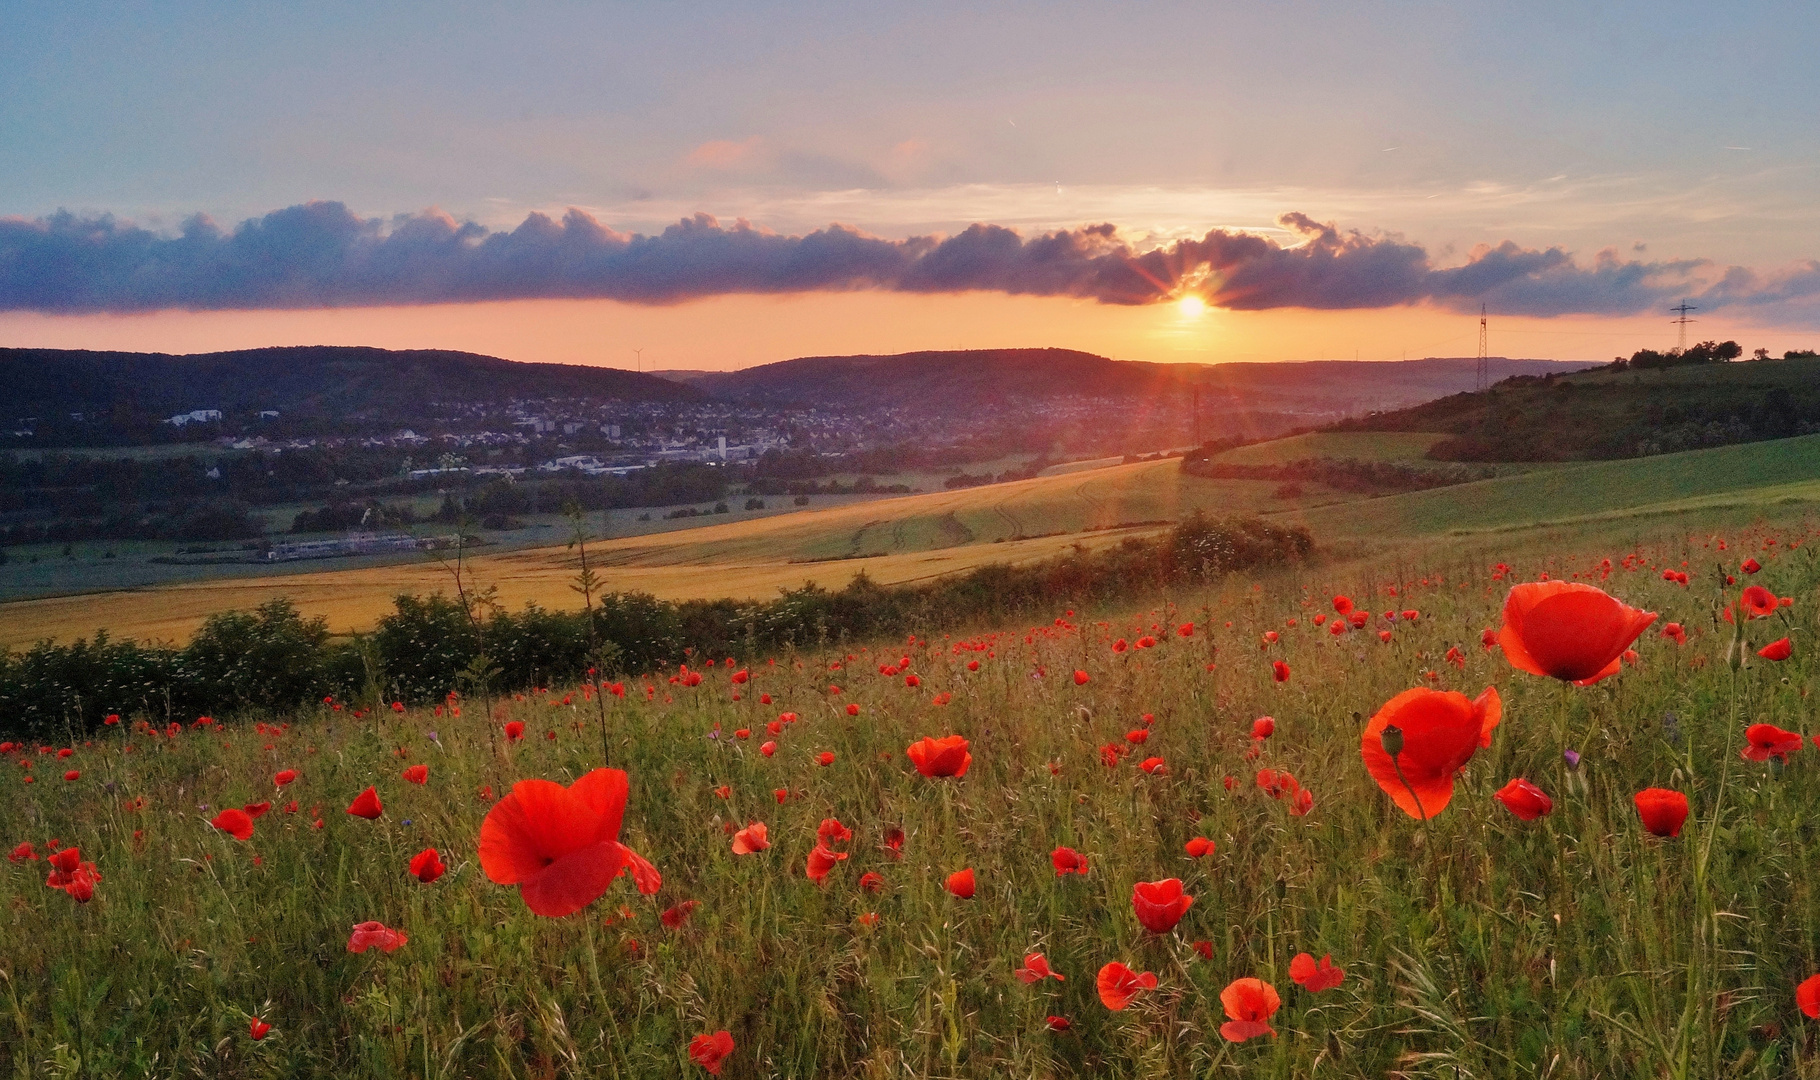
1342,474
272,659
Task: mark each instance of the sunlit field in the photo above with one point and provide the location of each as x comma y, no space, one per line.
1467,941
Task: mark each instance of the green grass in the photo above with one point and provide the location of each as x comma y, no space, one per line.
1358,445
1575,946
1749,476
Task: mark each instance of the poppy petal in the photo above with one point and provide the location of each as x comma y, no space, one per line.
573,881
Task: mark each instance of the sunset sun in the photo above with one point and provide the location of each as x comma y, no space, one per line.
1191,307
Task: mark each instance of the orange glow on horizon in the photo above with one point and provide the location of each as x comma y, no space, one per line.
729,332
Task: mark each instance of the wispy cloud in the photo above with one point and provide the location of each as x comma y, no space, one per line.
323,255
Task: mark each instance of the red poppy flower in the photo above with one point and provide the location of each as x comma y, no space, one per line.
1315,978
1279,671
725,791
559,845
872,881
23,853
1057,1023
1205,948
1767,741
1263,727
946,756
417,774
1526,800
1750,566
1807,997
750,839
366,805
1160,904
1249,1004
1675,633
1663,811
369,935
1120,646
1067,861
1568,630
822,860
1080,678
741,676
831,831
1302,803
1199,847
1342,605
1138,737
1780,649
72,776
1756,602
1154,766
515,730
677,914
258,1029
1118,984
257,810
708,1050
1036,969
1440,733
285,777
1185,630
427,865
961,883
825,758
894,842
236,823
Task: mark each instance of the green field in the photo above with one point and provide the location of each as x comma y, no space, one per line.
1358,445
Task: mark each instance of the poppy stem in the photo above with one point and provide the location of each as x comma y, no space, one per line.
1440,884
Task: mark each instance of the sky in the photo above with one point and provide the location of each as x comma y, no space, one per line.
714,186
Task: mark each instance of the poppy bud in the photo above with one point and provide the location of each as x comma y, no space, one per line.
1392,740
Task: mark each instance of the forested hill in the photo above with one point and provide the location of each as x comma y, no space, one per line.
308,379
1617,412
973,376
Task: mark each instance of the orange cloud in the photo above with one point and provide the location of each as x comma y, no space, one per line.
725,154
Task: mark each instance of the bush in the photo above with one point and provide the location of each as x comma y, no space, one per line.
270,658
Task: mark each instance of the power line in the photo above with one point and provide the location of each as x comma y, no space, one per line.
1484,370
1681,324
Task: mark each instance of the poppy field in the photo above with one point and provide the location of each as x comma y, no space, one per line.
1548,815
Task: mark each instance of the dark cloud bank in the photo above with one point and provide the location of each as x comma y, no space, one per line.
320,254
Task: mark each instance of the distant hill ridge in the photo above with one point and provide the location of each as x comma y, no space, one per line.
974,376
304,378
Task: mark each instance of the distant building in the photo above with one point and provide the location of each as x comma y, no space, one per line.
195,416
268,414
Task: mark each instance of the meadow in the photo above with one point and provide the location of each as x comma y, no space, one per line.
1472,942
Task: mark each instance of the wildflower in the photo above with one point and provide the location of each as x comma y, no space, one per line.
751,839
1279,671
1160,904
1675,632
1663,811
1249,1004
559,845
872,881
1205,948
1080,678
677,914
1437,734
708,1050
1780,649
1057,1023
366,805
417,774
826,758
285,777
1526,800
1807,997
1568,631
368,935
258,1029
1067,861
427,865
236,823
1036,969
831,831
822,860
961,883
1312,977
769,748
515,730
1199,847
1118,984
1768,740
946,756
1154,766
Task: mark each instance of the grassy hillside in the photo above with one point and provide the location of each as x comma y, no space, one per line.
1575,946
920,536
1610,413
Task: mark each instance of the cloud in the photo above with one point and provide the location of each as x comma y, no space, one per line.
321,254
725,153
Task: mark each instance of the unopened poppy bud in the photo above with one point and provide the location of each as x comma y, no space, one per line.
1392,740
1775,768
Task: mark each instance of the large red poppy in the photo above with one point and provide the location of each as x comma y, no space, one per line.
1160,904
961,883
1807,997
1767,741
1526,800
371,935
1441,732
1249,1004
750,839
559,845
822,860
1067,861
236,823
1663,811
708,1050
1314,977
1036,969
1118,984
366,805
1568,630
946,756
427,865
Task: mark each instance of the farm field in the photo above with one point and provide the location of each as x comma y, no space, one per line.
1467,940
911,538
